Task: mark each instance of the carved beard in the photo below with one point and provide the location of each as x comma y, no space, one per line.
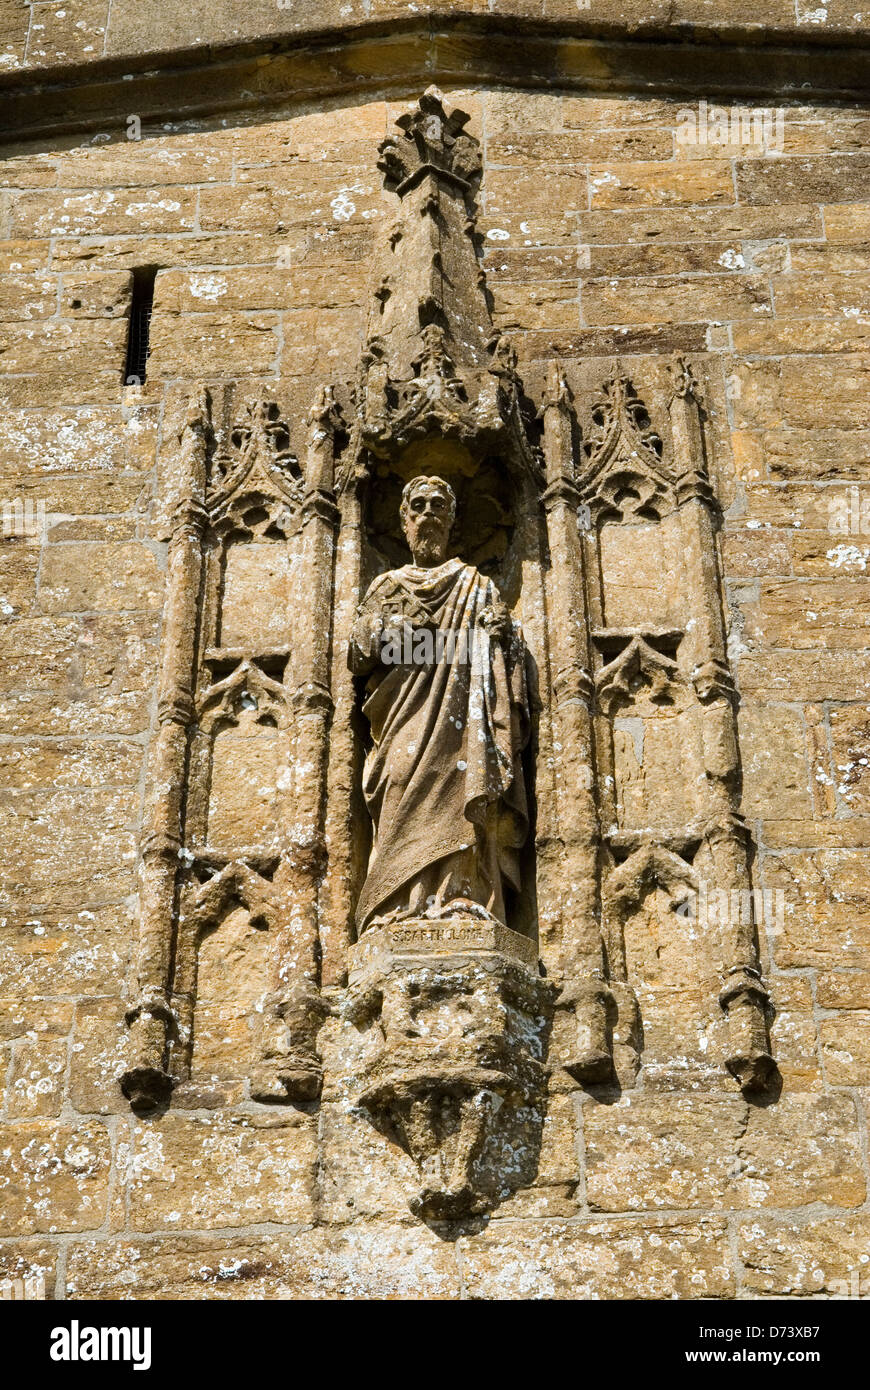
429,545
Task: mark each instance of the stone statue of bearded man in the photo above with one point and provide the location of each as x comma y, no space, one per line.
448,708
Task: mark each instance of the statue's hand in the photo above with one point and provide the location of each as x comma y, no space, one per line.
496,621
374,634
364,648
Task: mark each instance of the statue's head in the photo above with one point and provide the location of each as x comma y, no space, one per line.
428,511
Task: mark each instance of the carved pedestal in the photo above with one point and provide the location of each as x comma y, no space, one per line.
454,1073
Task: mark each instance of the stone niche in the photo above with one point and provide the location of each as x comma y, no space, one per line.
438,971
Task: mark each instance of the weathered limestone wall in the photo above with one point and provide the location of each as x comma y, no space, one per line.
603,232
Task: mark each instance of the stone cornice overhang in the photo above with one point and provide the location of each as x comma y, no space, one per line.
267,74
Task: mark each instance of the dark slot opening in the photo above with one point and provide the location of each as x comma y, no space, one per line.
139,326
273,664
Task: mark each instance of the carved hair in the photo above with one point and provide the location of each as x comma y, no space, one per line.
415,483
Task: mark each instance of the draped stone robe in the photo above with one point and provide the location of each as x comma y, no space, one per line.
443,780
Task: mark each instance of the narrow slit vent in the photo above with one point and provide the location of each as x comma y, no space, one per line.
139,328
